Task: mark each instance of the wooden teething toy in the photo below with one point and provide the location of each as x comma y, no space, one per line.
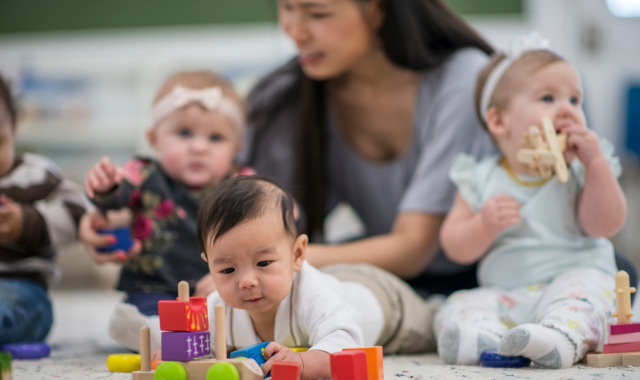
544,156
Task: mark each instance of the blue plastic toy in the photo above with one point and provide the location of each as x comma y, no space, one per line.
123,242
491,358
34,350
255,352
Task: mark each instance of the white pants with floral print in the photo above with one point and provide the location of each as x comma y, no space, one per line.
578,303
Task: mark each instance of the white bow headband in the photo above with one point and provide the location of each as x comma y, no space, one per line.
519,47
211,98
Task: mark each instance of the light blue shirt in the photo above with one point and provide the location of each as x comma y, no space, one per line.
549,240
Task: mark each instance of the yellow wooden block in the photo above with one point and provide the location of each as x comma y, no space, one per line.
299,349
123,362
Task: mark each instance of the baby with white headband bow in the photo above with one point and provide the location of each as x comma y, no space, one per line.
197,129
546,268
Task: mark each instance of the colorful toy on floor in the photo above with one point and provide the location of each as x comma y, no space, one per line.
349,365
123,239
199,368
544,156
123,362
33,350
186,325
375,367
491,358
5,366
222,371
185,314
624,337
285,371
255,352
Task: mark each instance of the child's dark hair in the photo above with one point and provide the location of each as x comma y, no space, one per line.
7,100
240,199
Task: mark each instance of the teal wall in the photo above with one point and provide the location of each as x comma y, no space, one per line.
17,16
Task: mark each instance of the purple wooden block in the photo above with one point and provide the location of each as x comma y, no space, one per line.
185,346
625,329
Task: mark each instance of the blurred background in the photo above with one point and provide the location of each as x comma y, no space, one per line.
86,72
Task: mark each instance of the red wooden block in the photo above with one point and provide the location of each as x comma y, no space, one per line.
282,370
375,368
349,365
184,316
622,347
624,329
623,338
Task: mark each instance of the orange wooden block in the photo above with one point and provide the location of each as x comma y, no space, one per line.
374,361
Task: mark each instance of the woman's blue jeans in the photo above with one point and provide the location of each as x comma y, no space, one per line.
25,311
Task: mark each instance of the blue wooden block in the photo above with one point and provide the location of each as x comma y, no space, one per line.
255,352
123,242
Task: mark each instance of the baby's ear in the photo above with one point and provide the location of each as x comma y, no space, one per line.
299,251
495,122
151,137
204,257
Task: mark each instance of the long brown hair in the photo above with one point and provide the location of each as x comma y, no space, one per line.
415,34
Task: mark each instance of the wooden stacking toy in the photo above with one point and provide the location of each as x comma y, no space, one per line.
623,343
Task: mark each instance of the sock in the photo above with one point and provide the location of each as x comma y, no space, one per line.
545,346
460,344
125,324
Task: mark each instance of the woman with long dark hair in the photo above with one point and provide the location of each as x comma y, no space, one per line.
371,112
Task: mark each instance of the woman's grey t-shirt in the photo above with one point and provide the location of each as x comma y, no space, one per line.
445,125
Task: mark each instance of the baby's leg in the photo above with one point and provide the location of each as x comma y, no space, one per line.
571,316
25,311
469,323
408,318
141,310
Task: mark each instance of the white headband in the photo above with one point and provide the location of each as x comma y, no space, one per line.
519,47
211,98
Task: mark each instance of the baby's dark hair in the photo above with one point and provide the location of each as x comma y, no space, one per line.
8,102
241,199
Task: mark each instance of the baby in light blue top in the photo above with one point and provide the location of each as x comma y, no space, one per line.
546,268
549,239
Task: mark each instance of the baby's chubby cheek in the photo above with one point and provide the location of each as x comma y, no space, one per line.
173,162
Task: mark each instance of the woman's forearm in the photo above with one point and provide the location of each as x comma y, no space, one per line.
406,251
602,207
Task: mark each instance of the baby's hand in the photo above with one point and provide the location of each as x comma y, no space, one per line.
277,352
500,212
584,143
102,176
156,355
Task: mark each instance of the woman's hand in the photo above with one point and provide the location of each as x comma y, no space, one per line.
89,224
102,177
277,352
499,213
205,286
